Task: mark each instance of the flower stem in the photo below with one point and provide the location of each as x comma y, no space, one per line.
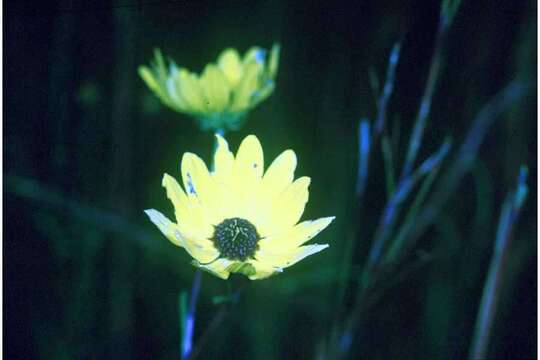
188,326
425,103
187,338
382,103
492,287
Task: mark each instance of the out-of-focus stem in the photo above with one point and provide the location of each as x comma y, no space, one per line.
187,338
366,141
388,166
364,147
425,103
492,286
382,104
391,210
465,158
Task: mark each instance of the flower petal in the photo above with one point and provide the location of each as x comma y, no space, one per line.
188,213
254,53
246,178
229,63
215,88
263,270
273,63
166,226
243,268
246,87
174,99
296,236
177,196
190,90
288,207
289,258
223,161
218,267
200,186
148,77
279,175
200,249
249,159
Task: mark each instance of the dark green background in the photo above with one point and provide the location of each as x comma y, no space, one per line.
86,275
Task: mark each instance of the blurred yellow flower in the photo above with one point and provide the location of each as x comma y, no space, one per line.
221,96
237,219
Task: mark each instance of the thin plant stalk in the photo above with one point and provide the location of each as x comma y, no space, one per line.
492,287
188,326
391,211
388,166
464,159
383,233
409,218
364,147
382,104
425,103
366,141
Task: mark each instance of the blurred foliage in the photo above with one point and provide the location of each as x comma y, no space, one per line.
86,275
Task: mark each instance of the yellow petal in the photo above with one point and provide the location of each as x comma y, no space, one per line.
279,175
242,94
156,86
246,178
289,206
177,196
229,63
223,161
164,225
175,99
289,258
256,54
191,215
200,186
249,159
298,235
146,74
263,270
242,268
215,88
200,249
159,65
190,90
262,92
273,63
218,267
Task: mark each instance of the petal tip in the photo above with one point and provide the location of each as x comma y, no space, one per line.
252,138
149,212
305,180
292,155
166,177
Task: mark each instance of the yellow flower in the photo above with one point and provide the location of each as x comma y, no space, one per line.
234,218
221,96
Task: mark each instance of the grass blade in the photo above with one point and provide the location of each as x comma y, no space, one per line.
388,166
488,303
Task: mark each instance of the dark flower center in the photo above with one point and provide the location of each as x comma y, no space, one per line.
236,239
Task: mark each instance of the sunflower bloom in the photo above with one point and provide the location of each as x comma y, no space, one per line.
237,219
223,93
